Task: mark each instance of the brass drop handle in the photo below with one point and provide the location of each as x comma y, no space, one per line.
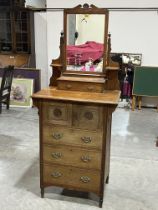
86,139
56,174
57,136
68,86
85,158
56,155
85,179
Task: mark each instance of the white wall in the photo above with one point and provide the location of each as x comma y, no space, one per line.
102,3
54,28
41,44
135,32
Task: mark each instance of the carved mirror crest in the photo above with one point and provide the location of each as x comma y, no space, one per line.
85,39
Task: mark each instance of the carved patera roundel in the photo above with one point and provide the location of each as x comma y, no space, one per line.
88,115
57,112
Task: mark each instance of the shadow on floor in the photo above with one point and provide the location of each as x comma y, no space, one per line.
31,182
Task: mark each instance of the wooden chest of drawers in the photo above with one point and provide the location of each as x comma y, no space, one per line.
72,146
74,142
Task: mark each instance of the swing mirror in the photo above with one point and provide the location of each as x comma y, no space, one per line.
86,34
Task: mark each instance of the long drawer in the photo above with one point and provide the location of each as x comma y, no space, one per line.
72,156
71,177
60,135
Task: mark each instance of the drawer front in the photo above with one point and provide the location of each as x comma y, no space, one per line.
78,157
80,179
61,135
87,117
78,86
57,113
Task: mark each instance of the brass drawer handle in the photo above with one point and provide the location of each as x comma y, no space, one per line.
90,88
57,136
68,86
85,179
86,139
56,155
85,158
56,174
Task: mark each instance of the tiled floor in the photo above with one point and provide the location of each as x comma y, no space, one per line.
133,173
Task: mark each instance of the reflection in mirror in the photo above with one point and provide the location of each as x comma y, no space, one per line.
85,42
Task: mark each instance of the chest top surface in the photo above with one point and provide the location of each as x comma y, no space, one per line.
52,93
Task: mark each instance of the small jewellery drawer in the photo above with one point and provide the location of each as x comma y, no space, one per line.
61,135
87,117
57,113
80,179
80,86
72,156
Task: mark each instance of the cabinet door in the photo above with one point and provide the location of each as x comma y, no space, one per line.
5,32
22,34
87,117
57,113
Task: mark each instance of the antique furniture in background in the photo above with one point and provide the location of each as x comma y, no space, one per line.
16,34
27,73
6,86
145,84
127,63
75,114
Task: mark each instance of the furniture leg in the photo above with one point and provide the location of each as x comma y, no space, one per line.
8,101
107,179
133,102
139,102
42,192
100,202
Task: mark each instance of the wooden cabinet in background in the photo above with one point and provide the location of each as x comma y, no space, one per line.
16,34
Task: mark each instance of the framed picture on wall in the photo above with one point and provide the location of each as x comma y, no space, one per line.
21,92
135,59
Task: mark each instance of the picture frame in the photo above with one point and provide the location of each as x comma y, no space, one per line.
27,73
135,59
126,58
21,92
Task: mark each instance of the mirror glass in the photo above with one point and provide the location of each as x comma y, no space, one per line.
85,42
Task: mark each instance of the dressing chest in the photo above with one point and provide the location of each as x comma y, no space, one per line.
75,118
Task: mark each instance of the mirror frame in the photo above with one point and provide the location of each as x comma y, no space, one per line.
86,9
